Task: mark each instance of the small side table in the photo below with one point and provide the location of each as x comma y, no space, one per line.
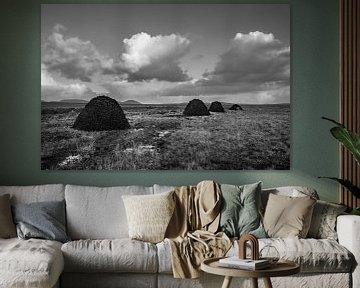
281,268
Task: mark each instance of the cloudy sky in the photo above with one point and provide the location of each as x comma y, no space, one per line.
156,53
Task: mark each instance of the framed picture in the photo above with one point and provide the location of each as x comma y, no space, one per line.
165,87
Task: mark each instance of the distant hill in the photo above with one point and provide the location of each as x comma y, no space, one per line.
80,101
131,102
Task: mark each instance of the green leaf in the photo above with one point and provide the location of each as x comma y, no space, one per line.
333,121
347,184
348,138
355,211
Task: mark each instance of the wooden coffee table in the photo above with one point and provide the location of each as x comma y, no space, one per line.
281,268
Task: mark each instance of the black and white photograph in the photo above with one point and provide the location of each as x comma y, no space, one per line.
165,87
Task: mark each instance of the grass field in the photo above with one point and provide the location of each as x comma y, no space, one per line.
160,137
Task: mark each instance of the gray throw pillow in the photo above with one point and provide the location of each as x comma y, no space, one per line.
323,222
43,220
240,213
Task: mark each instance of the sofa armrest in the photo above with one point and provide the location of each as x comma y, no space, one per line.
348,230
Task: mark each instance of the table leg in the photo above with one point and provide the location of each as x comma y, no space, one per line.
267,283
227,282
254,282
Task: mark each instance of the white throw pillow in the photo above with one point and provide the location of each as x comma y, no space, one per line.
149,215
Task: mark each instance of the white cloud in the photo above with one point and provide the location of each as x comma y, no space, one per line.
226,93
255,58
255,37
46,78
155,57
73,57
143,91
53,90
146,57
58,28
255,68
143,49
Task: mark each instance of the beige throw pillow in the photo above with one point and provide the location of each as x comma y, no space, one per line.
149,215
288,217
7,226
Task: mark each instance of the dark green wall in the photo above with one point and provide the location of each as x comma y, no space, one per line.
314,93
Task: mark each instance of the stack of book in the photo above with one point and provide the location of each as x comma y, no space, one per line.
248,264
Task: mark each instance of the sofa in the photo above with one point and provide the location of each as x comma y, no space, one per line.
100,253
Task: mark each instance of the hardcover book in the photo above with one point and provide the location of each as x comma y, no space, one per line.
236,262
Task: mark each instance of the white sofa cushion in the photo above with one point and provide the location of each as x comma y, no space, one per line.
313,255
348,229
164,257
98,212
117,255
36,193
301,280
108,280
30,263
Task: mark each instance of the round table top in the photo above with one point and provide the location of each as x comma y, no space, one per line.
281,268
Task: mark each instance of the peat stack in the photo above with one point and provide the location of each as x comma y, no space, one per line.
216,107
196,107
101,113
236,107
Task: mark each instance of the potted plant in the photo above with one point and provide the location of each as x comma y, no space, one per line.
351,141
